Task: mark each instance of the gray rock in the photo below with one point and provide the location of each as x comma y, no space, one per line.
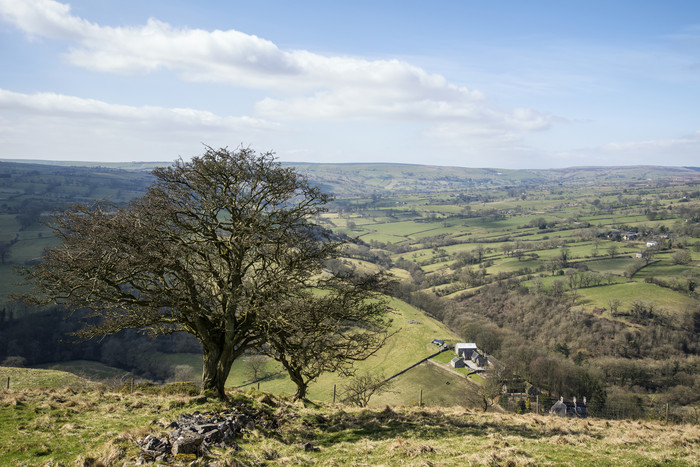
187,443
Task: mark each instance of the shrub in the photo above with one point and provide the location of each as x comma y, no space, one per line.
14,361
681,257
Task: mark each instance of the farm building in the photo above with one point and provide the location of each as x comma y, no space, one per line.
477,359
457,362
440,343
465,350
564,408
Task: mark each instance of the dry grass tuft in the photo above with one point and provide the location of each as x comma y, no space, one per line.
404,448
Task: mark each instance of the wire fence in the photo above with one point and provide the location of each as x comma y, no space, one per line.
647,410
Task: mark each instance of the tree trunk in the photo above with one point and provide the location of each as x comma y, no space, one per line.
218,359
297,378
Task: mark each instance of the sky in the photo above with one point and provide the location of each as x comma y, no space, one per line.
468,83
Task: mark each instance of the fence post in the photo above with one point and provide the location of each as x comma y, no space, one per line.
421,398
537,401
8,382
334,393
666,413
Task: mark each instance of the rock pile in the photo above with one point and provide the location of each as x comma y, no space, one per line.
196,433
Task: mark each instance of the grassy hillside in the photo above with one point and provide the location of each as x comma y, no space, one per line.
92,371
29,378
82,426
411,343
395,179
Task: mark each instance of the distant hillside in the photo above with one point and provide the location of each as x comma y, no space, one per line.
362,179
382,179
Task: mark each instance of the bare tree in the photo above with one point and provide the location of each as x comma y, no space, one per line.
490,390
360,389
328,329
256,367
209,250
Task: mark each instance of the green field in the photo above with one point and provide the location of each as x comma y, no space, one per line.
630,292
410,344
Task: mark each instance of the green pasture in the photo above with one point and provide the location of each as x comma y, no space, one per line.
30,249
92,371
510,264
399,273
9,225
614,266
381,237
628,292
31,378
9,282
361,266
421,255
437,386
666,270
405,228
437,266
450,230
410,344
485,223
442,208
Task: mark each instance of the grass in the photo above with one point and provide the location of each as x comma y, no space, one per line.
614,266
68,426
436,386
28,378
665,270
93,371
409,344
628,292
73,424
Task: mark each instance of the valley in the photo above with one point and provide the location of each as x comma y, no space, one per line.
580,281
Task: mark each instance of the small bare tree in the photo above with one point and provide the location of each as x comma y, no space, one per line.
256,367
343,321
490,390
360,389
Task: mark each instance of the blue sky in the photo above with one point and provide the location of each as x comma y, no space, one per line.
509,84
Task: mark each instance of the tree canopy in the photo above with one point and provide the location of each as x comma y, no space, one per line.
211,249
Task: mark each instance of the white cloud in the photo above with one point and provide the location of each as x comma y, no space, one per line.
309,86
48,125
689,142
681,151
45,18
70,107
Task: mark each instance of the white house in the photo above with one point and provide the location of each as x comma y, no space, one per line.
465,349
652,243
